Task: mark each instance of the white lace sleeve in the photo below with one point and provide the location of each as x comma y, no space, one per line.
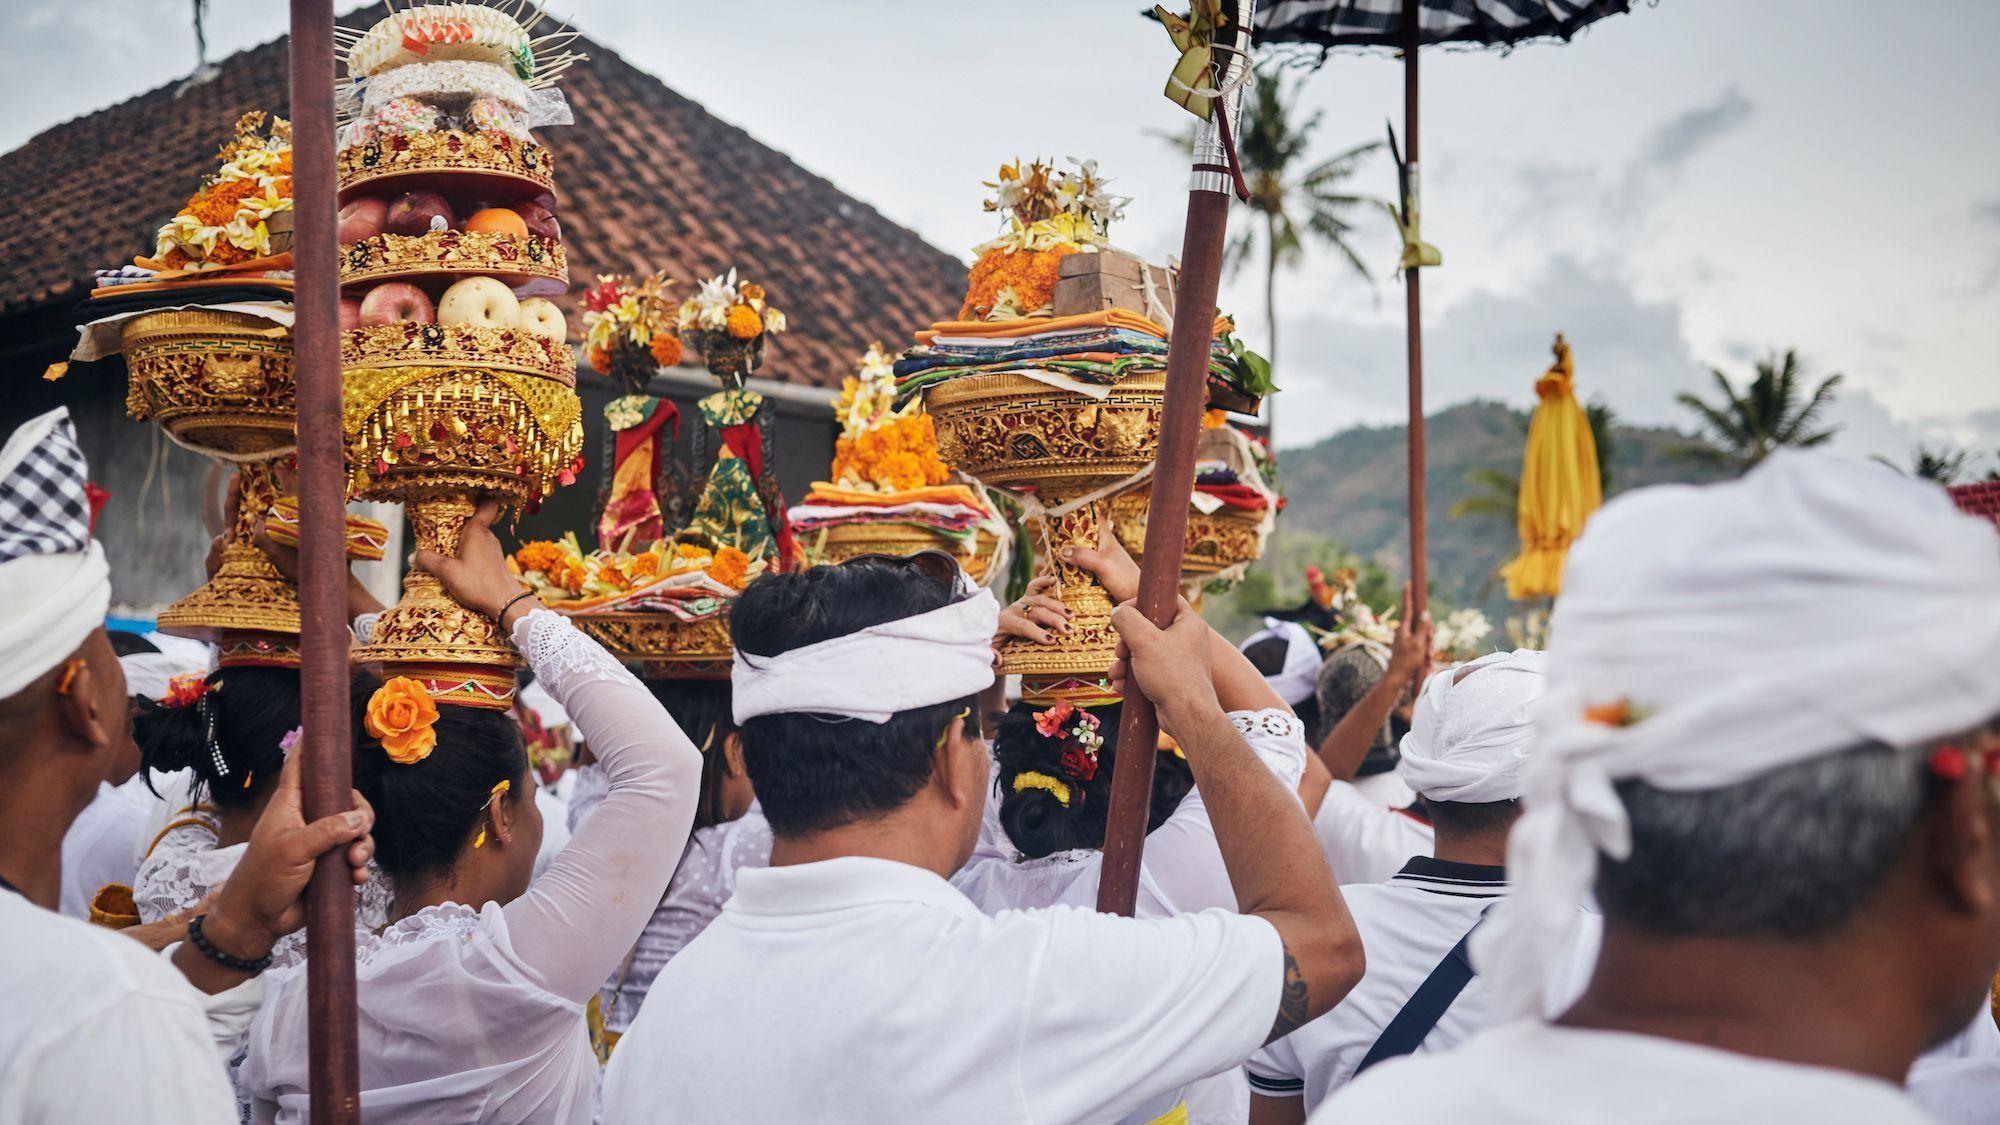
1182,857
179,871
579,918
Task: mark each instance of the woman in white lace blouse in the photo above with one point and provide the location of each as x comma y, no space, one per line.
1040,844
228,731
471,1001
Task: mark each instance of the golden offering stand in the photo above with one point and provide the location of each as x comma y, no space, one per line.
852,540
1015,432
437,416
221,384
661,646
1216,541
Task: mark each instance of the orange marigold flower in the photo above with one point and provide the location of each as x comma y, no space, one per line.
730,567
666,349
744,323
543,556
1031,274
600,361
645,566
401,715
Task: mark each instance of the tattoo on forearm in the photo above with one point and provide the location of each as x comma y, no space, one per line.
1291,1001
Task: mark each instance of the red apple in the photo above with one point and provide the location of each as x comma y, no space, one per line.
362,217
350,313
419,212
540,220
397,302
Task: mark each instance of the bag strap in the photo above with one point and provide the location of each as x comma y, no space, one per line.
1427,1005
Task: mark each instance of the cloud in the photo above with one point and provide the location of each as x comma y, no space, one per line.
1987,213
1630,352
1673,145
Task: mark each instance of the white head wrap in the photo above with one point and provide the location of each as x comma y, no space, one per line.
899,665
1718,633
1299,678
1470,732
54,581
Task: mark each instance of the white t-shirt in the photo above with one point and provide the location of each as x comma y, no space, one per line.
1530,1072
1958,1081
95,1027
863,990
1366,841
1182,873
99,846
1408,926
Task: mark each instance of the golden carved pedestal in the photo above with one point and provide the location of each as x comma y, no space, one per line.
221,384
435,439
1015,432
1216,541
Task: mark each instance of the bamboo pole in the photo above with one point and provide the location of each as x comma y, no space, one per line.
1173,476
327,780
1412,295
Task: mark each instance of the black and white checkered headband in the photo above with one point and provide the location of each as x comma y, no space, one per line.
44,506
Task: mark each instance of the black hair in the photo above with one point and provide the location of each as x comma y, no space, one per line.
130,644
816,772
1268,656
1471,817
1036,820
425,812
244,715
701,708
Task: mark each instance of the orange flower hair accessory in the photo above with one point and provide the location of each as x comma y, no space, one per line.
185,691
403,717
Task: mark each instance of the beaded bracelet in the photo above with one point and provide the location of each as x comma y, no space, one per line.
251,965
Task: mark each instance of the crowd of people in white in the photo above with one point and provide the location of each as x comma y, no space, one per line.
1728,851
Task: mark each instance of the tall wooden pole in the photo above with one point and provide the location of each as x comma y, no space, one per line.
327,773
1173,475
1412,293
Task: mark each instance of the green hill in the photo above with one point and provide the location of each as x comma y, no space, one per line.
1348,493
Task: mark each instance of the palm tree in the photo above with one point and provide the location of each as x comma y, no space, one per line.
1944,465
1291,202
1288,204
1745,428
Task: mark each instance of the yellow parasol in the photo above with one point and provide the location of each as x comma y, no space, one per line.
1559,483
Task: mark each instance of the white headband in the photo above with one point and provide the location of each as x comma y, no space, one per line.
899,665
1298,679
1469,733
53,576
1707,636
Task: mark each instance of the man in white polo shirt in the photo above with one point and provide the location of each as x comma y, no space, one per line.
849,982
1790,820
1468,738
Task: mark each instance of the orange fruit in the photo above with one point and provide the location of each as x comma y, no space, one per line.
498,220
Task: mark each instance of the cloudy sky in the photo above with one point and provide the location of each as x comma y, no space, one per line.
1693,185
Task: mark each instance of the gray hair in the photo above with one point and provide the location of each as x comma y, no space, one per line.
1792,854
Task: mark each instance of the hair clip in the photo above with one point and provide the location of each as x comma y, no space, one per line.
946,732
1034,779
1951,762
499,787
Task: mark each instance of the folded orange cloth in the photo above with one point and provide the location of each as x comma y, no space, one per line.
823,492
1035,325
281,261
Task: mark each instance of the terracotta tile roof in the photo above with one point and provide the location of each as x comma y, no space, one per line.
648,180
